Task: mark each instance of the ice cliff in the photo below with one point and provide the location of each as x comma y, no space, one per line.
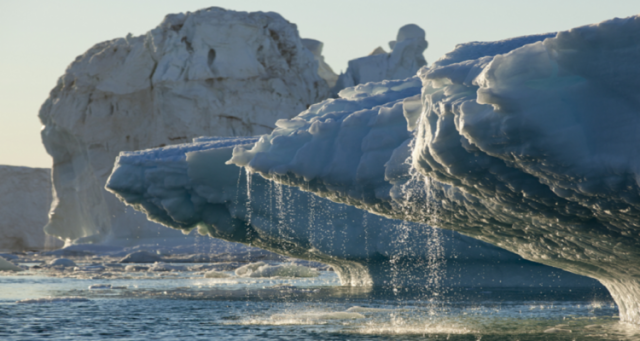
190,186
404,60
529,144
211,72
25,198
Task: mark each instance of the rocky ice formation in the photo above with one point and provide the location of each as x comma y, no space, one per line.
529,144
25,198
404,60
211,72
191,186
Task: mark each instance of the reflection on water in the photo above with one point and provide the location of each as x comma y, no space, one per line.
185,305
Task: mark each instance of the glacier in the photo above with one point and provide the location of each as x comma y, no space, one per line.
209,72
527,143
191,186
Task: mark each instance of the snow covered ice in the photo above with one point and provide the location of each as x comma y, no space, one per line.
528,144
210,72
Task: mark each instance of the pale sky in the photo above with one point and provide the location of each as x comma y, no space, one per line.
40,38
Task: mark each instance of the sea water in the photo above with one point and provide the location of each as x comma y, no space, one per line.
81,303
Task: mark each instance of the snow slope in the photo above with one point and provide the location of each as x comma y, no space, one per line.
529,144
25,198
210,72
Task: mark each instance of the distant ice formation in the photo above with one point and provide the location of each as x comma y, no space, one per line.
324,70
190,186
529,144
404,60
211,72
25,198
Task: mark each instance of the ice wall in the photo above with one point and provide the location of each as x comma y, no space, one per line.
190,185
528,144
25,198
210,72
404,60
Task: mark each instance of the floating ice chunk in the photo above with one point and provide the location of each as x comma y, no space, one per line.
216,274
284,270
99,286
358,309
247,270
61,262
106,287
5,265
334,315
89,268
54,300
557,330
162,267
141,257
135,268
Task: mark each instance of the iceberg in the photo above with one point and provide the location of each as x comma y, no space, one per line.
404,60
528,144
210,72
25,198
191,186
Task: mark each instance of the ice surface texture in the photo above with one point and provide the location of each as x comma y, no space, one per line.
190,185
210,72
25,198
533,149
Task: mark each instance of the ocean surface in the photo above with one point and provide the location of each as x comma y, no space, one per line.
88,303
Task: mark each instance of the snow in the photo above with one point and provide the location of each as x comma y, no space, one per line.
528,144
190,186
25,197
404,60
210,72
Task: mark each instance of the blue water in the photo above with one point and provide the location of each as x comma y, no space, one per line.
185,306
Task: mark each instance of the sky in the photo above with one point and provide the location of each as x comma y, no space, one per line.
40,39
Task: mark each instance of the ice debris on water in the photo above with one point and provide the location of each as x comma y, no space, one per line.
216,274
54,300
261,269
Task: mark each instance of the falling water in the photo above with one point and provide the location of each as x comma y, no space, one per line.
248,203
